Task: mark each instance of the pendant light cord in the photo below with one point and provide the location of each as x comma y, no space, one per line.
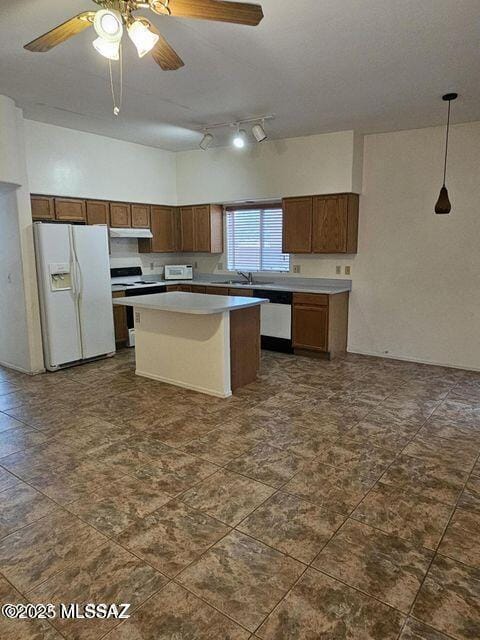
117,107
446,144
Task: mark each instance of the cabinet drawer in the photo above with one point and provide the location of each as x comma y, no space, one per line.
217,291
316,299
246,293
198,289
70,210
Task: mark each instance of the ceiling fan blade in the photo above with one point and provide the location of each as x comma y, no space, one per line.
217,10
61,33
163,54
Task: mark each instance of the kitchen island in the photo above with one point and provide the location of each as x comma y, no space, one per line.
207,343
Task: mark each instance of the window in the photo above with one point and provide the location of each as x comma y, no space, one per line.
254,240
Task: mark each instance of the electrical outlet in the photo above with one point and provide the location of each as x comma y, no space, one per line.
137,317
220,266
297,268
151,266
348,271
338,270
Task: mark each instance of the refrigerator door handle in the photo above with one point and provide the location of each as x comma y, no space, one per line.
77,288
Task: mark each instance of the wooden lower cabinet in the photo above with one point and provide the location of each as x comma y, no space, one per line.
120,320
320,324
244,346
198,288
245,293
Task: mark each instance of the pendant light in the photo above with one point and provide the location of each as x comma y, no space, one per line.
443,203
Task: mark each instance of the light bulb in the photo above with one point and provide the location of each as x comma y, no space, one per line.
110,50
142,37
240,139
108,25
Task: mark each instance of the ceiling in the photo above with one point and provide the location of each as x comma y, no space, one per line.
319,65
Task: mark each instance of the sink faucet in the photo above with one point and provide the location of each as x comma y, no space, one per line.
248,276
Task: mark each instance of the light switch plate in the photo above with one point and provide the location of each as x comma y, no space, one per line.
338,270
297,268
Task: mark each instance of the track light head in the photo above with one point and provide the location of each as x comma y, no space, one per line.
240,138
259,133
206,141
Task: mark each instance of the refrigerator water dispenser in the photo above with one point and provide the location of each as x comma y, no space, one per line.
60,276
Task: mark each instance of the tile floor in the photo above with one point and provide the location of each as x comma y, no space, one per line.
328,501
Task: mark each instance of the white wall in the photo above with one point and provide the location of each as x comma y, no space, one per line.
77,164
20,335
298,166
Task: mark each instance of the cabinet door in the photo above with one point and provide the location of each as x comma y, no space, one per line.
202,237
140,216
198,289
187,229
244,293
297,225
310,327
97,212
187,288
120,319
43,208
217,291
120,215
177,226
70,210
329,224
163,230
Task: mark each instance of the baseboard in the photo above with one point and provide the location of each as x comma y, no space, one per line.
390,356
176,383
9,365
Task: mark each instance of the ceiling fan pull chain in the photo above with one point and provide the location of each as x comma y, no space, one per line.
117,107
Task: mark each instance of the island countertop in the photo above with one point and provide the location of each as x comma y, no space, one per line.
191,303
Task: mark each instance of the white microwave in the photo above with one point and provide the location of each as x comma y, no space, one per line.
178,272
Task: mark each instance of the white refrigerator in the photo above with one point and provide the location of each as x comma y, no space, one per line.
75,293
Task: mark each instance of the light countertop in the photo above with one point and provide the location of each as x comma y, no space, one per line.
191,303
300,285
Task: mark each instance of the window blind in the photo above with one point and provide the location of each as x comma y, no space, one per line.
254,240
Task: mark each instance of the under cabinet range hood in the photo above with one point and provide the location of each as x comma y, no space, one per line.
130,233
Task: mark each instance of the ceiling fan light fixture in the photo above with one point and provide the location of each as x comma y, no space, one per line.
240,139
142,37
110,50
259,132
206,141
109,25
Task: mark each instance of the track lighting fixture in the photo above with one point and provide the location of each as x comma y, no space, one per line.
259,133
206,141
240,138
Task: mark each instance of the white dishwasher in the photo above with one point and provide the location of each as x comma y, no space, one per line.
276,320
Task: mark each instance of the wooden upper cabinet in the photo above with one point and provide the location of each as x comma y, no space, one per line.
321,224
297,225
70,210
202,230
97,212
163,231
140,216
43,208
335,224
187,229
120,215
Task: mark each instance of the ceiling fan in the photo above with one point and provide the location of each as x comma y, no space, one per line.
114,16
